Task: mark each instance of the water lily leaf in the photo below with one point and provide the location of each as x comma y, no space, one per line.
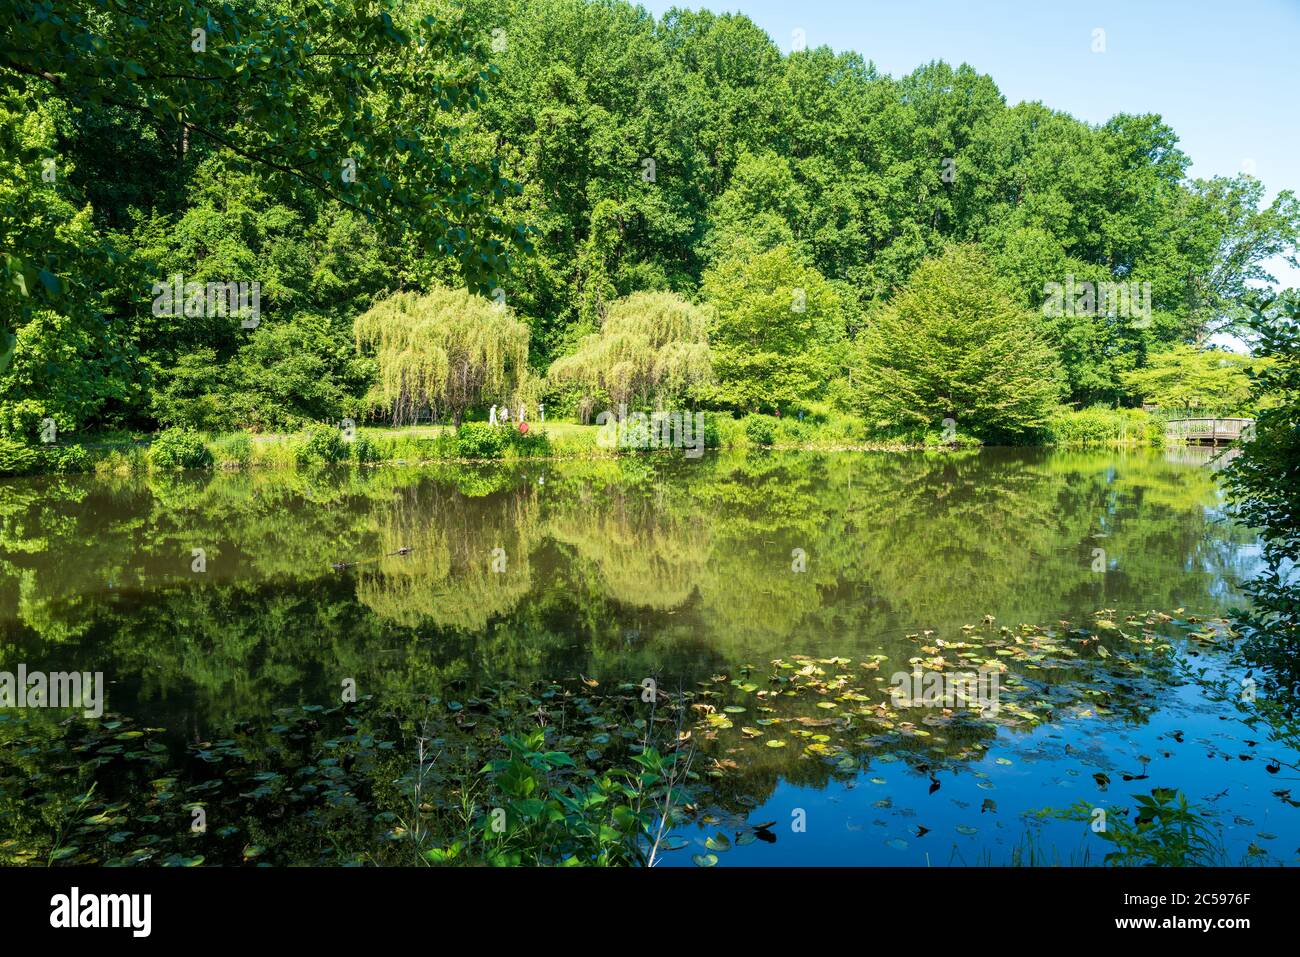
718,842
705,860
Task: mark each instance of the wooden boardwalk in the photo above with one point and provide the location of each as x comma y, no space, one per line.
1209,431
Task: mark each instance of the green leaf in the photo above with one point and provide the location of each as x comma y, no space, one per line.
718,842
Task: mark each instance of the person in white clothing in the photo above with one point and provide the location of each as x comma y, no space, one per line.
492,416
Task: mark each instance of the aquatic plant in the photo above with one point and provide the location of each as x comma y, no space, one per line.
1165,831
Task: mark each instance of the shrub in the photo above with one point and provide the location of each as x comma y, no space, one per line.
528,445
729,431
178,449
275,452
364,450
132,459
17,458
323,444
1099,425
790,431
388,447
478,440
760,429
713,431
67,458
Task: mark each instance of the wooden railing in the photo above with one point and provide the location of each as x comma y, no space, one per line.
1213,430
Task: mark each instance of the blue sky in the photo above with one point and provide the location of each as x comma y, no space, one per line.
1225,75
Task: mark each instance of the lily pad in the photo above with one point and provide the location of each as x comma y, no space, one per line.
718,842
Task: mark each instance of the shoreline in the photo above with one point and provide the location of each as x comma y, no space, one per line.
476,442
131,457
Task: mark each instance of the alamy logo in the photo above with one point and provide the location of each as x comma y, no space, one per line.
103,910
58,689
1125,300
658,430
176,297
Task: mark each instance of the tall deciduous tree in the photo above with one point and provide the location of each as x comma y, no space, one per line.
443,351
59,358
955,344
778,321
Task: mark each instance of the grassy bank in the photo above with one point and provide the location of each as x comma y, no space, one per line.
320,444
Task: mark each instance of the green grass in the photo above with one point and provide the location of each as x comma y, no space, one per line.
823,428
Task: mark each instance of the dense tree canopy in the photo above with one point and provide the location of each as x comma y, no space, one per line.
276,143
561,155
346,100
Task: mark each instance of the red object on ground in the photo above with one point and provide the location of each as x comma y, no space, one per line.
523,428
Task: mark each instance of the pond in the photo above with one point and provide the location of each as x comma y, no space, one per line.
213,603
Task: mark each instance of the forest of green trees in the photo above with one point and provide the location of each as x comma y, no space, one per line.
665,209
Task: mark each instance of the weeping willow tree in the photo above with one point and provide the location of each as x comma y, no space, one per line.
651,345
441,352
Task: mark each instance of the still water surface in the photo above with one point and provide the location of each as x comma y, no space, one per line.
208,600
